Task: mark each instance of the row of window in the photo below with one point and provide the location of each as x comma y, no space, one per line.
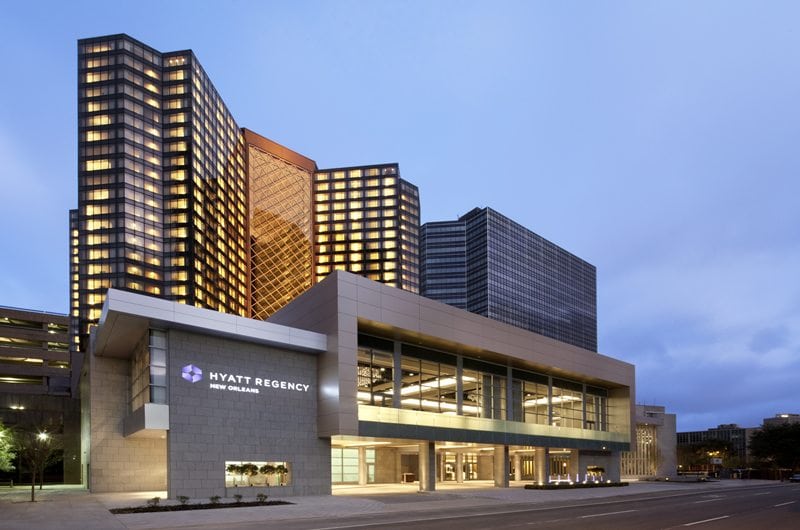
434,382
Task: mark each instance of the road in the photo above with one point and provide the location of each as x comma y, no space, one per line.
774,507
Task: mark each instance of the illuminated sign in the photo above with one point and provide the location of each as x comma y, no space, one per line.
191,373
240,383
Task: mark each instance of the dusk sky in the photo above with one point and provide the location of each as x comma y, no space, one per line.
658,141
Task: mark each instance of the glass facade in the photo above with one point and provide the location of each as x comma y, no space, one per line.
366,221
176,201
161,183
280,227
404,376
443,266
149,371
512,275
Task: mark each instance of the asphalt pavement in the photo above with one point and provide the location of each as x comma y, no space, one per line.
72,507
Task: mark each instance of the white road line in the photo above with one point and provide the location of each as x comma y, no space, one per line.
707,520
707,500
602,514
783,504
763,493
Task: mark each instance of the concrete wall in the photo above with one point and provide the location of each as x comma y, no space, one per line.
118,463
209,426
667,441
609,461
387,465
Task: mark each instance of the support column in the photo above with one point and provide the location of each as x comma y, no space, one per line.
517,467
397,375
459,467
574,468
362,466
542,465
501,470
427,466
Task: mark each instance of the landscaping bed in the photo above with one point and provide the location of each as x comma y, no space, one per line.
155,507
576,485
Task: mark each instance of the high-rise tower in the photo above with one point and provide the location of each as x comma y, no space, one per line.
162,187
176,201
367,222
281,223
498,268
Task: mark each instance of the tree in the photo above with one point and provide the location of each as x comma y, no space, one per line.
698,455
281,470
6,449
235,469
268,470
250,470
777,446
35,447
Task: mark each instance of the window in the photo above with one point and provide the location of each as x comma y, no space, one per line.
257,473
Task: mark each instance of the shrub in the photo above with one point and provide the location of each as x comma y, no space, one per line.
183,499
214,499
238,498
261,497
154,501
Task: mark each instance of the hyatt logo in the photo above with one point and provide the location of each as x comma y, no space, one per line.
192,373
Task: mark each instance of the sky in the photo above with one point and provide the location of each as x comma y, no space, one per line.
656,140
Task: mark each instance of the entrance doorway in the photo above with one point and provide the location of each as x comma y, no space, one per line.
449,466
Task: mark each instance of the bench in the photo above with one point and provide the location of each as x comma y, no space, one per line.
6,482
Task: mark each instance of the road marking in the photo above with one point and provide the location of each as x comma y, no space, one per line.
708,500
763,493
784,504
707,520
603,514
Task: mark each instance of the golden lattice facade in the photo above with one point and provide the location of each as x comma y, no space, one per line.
281,254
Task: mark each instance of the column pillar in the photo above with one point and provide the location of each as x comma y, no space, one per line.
427,466
574,464
362,466
397,375
542,465
459,467
501,470
517,467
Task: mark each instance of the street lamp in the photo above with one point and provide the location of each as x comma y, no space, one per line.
43,436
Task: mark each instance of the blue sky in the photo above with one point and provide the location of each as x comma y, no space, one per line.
656,140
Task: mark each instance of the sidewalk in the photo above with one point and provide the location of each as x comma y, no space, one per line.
71,507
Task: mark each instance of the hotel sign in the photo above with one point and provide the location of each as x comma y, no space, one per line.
248,384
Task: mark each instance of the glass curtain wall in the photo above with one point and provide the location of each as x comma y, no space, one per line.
432,381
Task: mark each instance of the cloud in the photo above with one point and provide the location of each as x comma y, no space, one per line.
769,339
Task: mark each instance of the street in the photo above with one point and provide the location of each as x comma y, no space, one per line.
775,507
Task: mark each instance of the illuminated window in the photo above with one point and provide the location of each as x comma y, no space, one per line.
175,75
94,136
95,77
100,119
97,194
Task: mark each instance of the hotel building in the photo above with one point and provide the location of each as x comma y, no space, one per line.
367,222
175,200
354,381
490,265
